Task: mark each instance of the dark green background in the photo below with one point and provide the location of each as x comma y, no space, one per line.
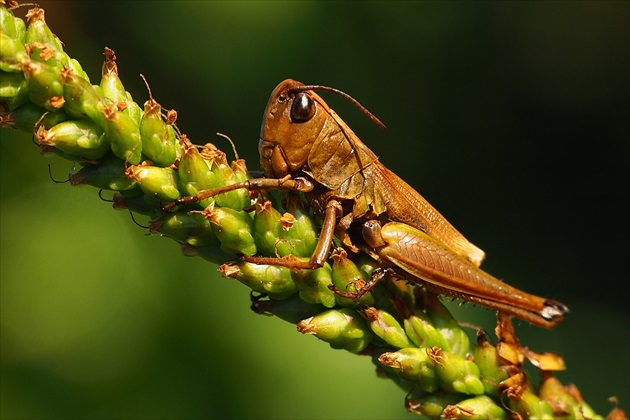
510,117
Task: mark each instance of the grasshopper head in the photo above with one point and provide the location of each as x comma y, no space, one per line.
291,123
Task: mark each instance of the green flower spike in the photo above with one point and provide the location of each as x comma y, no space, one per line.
141,155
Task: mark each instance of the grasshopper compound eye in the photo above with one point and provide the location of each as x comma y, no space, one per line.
303,108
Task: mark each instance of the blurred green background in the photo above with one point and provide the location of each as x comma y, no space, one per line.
512,118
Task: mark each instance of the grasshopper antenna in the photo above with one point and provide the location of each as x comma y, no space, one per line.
344,95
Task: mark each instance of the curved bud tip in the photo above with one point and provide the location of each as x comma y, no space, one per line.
554,311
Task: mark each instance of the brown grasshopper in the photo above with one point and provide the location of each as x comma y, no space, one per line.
306,147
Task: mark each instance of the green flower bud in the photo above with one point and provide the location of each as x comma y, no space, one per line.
38,30
456,339
45,87
299,230
77,69
233,228
266,230
12,54
346,276
159,143
194,172
272,280
193,229
456,373
113,90
216,160
477,408
81,99
13,89
386,327
109,174
45,53
563,402
429,404
20,28
111,84
366,265
81,138
529,405
123,134
412,364
341,328
313,285
8,22
486,358
29,117
292,309
421,331
158,184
